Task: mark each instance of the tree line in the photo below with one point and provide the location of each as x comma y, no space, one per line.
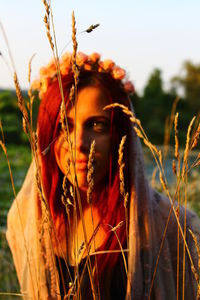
153,107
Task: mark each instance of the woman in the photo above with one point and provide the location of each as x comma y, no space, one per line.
69,237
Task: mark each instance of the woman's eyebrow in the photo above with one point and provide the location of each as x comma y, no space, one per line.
98,117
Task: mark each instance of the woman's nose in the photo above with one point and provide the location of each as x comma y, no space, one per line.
81,140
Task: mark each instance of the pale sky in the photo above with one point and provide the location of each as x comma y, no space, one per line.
138,35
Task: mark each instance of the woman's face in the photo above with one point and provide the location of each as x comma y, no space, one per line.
90,122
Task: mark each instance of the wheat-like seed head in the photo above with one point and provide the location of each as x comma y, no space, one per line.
159,155
196,137
62,117
176,136
188,138
123,107
187,148
24,125
196,274
121,170
138,132
117,226
21,102
64,197
151,147
198,160
90,173
47,23
29,68
72,94
164,185
75,46
30,91
174,166
91,28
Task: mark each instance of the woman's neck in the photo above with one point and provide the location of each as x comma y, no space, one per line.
86,200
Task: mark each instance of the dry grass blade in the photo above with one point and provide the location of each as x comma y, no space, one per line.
30,93
75,46
2,133
117,226
124,109
138,132
197,246
29,68
164,185
47,23
114,229
8,47
121,167
72,94
196,137
6,63
64,198
168,127
174,166
196,274
122,182
12,294
63,118
176,136
90,180
90,173
21,102
197,160
187,148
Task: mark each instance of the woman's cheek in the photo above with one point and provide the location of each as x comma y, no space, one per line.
103,151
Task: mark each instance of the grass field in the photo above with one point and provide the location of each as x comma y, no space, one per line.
19,157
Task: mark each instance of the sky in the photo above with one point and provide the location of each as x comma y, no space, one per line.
138,35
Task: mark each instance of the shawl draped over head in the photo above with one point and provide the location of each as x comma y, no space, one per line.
29,237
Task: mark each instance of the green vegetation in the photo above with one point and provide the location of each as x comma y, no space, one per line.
154,106
19,158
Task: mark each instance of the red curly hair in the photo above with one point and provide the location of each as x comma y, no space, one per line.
110,201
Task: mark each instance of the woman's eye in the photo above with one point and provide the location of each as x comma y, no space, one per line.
100,126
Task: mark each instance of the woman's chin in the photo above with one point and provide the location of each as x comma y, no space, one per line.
82,181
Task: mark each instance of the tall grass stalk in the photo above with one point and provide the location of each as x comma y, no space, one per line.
65,127
124,194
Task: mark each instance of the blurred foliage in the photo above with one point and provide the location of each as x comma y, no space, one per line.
8,277
11,117
190,82
20,158
154,106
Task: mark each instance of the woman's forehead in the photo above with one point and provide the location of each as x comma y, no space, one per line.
90,101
